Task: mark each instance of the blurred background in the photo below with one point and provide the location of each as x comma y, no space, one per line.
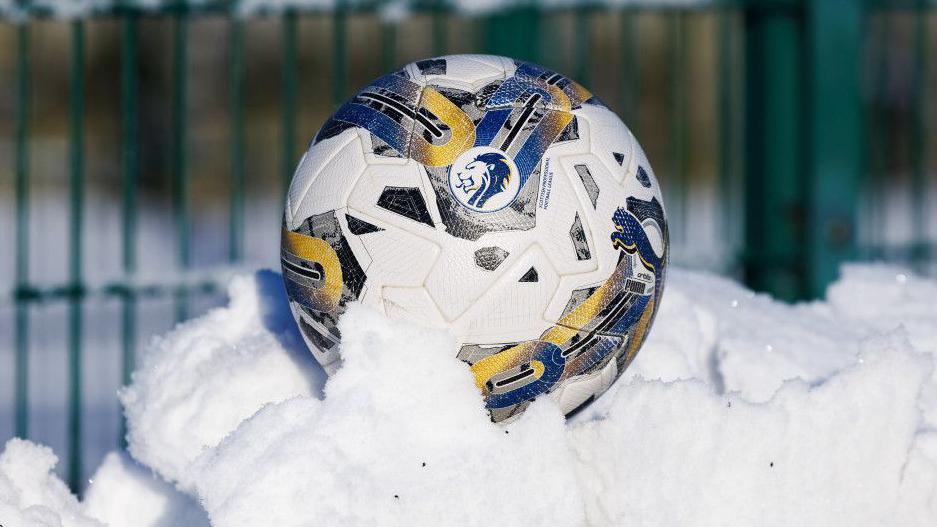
145,148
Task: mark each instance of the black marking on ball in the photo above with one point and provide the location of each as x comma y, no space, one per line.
530,276
360,227
643,178
407,202
489,258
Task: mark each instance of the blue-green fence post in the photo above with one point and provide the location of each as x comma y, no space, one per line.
236,105
835,137
582,34
675,180
130,170
339,54
514,32
76,292
774,163
180,180
388,45
290,45
726,94
439,23
876,158
630,70
21,171
920,140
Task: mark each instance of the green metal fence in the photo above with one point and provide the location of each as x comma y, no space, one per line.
802,139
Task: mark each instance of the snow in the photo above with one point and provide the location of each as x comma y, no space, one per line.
122,494
739,410
202,379
828,455
30,495
125,494
401,438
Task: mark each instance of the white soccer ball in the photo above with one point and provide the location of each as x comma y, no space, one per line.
494,198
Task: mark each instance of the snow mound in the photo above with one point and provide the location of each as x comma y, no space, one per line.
739,410
30,495
401,438
756,411
832,454
125,494
200,381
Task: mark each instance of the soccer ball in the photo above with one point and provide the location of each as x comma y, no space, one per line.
494,198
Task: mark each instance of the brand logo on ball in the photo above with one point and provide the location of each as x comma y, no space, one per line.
484,179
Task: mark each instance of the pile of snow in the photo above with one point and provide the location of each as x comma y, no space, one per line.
125,494
199,382
122,494
30,495
739,410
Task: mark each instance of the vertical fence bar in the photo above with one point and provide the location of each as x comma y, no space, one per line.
630,69
725,96
388,45
920,197
180,186
774,158
582,35
834,161
339,54
76,189
130,167
236,102
288,96
439,28
677,109
22,231
514,32
876,141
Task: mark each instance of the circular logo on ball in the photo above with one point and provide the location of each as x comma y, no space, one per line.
484,179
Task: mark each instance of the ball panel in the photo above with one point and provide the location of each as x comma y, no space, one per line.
399,258
410,303
580,390
609,139
464,72
331,166
510,309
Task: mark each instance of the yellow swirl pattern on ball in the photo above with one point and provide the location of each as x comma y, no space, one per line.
460,125
317,250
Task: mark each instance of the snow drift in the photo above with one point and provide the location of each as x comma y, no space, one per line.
739,410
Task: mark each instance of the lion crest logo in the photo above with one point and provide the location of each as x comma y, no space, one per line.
484,179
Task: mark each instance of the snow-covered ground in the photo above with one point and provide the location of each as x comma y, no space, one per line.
739,410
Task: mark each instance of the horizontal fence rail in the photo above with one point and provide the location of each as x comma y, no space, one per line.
764,157
22,10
